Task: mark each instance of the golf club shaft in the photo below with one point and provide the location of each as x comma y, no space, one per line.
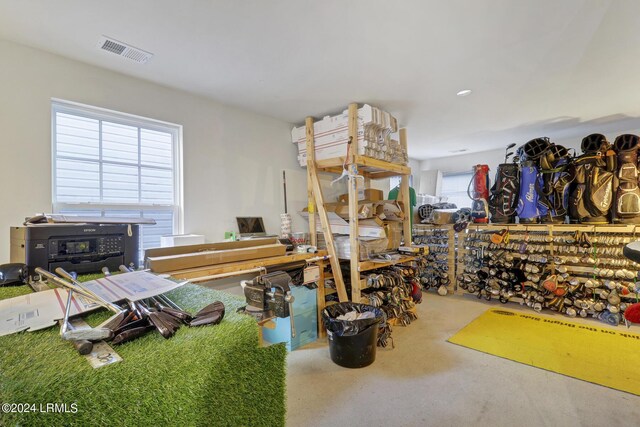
64,284
77,284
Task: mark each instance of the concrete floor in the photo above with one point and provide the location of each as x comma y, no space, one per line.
426,381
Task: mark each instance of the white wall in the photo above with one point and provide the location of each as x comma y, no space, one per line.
233,159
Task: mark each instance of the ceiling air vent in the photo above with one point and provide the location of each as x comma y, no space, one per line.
462,150
122,49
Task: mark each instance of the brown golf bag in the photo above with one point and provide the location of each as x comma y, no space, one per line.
591,198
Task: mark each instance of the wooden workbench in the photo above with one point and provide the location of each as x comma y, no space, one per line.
220,271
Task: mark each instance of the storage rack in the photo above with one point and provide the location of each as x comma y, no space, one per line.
359,168
555,243
441,240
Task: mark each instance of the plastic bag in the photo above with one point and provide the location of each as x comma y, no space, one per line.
351,327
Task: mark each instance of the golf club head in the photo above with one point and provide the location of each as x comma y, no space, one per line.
217,306
212,318
114,321
131,334
132,325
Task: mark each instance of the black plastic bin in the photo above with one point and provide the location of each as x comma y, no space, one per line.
352,344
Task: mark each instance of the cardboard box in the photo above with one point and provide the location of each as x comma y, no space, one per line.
368,194
365,210
443,216
162,260
366,227
368,247
393,230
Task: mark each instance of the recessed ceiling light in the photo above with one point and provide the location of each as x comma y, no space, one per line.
464,92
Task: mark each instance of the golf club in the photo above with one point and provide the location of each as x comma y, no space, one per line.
131,334
80,337
212,314
178,314
507,153
110,323
166,330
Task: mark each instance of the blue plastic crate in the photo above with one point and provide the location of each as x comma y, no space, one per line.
306,330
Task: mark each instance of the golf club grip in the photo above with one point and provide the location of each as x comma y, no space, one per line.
130,334
83,347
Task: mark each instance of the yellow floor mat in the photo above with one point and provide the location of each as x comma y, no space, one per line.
609,357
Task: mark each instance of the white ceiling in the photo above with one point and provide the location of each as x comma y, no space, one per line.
536,67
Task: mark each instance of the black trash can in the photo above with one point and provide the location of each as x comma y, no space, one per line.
352,344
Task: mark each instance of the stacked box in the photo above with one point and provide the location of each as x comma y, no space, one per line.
368,246
305,317
331,135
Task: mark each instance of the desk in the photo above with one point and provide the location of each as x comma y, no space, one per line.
219,271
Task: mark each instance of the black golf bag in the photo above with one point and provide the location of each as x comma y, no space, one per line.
593,189
503,200
557,173
627,197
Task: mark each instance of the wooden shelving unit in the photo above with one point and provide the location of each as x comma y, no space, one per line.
361,170
551,240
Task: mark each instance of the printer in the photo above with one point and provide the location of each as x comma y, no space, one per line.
83,248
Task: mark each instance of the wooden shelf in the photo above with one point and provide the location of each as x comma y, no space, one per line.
358,166
599,228
370,265
367,166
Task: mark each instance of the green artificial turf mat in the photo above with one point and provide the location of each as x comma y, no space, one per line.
211,375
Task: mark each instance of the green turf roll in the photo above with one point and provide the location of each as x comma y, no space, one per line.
212,375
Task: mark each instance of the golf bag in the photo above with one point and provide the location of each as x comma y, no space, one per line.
527,210
593,189
529,207
627,196
557,174
503,201
480,194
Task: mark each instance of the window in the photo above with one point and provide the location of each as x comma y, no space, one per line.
454,187
113,164
394,181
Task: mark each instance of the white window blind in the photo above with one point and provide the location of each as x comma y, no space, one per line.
113,164
454,187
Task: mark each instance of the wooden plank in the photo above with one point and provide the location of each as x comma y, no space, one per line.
334,162
370,265
405,196
165,264
311,203
328,237
559,228
240,266
354,241
370,162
